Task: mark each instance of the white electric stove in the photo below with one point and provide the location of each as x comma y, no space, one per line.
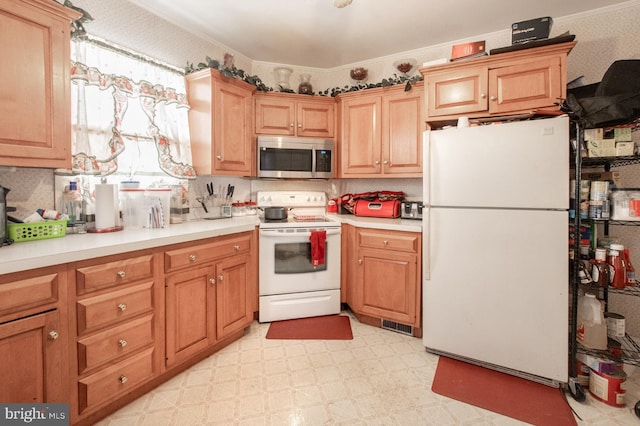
290,285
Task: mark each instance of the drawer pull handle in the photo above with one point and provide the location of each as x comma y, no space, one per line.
53,335
122,343
212,281
122,307
123,379
237,247
121,274
192,257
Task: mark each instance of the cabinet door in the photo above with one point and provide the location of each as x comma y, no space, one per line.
387,282
190,313
35,112
457,92
526,86
275,116
233,121
233,295
402,127
315,118
34,372
361,136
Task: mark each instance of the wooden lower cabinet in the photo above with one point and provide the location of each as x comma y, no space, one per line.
117,324
35,371
210,301
384,275
33,336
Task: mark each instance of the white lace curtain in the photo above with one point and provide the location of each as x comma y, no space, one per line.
129,116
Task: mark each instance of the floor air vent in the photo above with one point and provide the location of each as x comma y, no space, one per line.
397,327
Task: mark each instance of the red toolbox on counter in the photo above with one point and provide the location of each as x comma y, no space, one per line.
377,208
383,204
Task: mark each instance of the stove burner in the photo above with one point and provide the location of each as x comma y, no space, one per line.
275,220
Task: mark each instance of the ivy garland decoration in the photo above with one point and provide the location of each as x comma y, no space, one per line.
254,80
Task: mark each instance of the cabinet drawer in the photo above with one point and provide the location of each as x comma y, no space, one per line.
114,343
106,385
28,293
112,274
398,241
98,311
203,253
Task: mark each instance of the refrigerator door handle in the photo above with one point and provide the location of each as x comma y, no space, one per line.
426,243
426,169
426,202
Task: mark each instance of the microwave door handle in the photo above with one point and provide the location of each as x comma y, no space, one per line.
313,162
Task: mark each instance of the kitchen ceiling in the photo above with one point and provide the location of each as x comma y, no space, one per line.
314,33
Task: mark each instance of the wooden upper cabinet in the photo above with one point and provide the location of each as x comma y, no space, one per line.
509,83
288,114
35,111
381,132
221,123
457,92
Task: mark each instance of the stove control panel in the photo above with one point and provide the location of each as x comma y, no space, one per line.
291,199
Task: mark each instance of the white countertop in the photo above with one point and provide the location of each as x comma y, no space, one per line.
74,247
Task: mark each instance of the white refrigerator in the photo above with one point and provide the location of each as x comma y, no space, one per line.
495,267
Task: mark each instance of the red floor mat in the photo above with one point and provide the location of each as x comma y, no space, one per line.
502,393
332,327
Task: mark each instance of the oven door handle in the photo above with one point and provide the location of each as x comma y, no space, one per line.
277,233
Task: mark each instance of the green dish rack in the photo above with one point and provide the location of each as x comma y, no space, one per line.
20,232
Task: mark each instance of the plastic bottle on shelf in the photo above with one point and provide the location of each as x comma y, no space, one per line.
631,272
616,253
591,325
72,204
600,269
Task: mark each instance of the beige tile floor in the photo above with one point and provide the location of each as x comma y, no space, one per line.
379,378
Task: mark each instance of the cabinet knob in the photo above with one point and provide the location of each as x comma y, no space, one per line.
385,242
219,157
236,247
122,307
122,343
377,162
483,96
212,281
291,125
53,335
299,125
123,379
493,98
220,277
359,261
192,257
386,161
121,274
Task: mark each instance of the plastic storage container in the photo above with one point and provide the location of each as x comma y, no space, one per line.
625,204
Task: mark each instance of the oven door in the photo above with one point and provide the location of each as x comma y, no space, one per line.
285,262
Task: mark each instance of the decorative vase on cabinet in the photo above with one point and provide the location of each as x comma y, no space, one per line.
305,87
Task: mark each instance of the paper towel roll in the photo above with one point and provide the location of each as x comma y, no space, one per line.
105,206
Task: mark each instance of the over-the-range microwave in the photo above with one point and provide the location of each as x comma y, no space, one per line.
295,158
